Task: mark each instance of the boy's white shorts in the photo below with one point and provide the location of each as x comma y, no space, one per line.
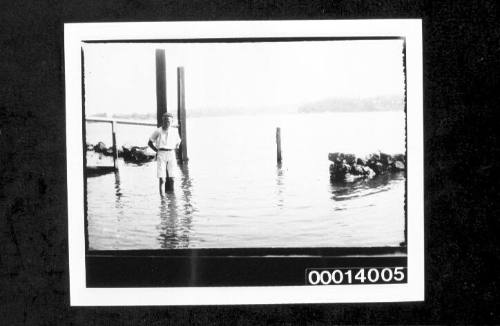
165,161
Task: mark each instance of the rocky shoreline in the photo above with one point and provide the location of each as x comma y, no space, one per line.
130,154
345,167
349,167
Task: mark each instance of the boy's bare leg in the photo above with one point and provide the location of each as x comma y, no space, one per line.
161,182
169,184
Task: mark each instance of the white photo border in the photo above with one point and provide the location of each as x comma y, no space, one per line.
80,295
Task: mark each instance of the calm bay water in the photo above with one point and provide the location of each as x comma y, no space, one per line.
232,193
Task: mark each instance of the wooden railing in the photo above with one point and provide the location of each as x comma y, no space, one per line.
113,131
120,121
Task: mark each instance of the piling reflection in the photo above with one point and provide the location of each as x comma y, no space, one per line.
176,213
279,184
118,194
118,190
186,186
188,209
343,190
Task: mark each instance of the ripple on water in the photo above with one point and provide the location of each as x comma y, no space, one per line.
244,199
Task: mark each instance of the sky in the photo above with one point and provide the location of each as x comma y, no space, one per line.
120,78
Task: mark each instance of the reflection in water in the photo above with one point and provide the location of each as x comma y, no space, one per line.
279,184
186,186
118,196
169,219
343,190
176,214
234,195
118,190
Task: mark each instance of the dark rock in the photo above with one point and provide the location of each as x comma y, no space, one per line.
352,178
377,167
368,171
100,147
139,155
348,168
398,166
335,157
339,170
385,159
126,152
109,151
357,169
399,157
360,161
374,157
135,154
350,158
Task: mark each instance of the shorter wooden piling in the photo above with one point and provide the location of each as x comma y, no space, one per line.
278,144
406,230
115,150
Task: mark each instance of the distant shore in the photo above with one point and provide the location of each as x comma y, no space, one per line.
373,104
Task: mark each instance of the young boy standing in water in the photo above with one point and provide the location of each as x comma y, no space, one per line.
164,141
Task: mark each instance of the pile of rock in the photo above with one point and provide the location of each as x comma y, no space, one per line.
348,167
100,148
136,154
130,154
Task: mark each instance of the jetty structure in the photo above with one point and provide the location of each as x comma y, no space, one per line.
140,154
187,267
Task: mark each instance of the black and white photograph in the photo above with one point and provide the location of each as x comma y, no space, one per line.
282,160
257,162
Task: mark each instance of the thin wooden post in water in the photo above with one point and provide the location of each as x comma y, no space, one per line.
278,143
161,94
406,230
181,114
115,151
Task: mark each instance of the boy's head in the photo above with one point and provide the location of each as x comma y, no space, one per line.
167,119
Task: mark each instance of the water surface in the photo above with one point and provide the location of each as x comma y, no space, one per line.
232,193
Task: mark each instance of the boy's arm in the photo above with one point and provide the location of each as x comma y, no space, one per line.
151,139
153,147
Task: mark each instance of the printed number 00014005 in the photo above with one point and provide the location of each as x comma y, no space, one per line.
373,275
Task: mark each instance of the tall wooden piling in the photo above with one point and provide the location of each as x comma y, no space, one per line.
181,114
278,144
161,94
115,150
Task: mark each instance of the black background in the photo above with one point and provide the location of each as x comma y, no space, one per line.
461,56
